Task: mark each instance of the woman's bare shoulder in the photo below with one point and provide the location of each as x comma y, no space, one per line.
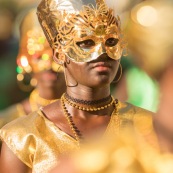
7,156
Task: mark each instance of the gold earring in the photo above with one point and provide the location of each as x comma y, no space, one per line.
33,82
66,81
57,72
58,58
68,61
121,71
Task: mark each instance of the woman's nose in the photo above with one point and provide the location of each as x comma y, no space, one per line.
102,48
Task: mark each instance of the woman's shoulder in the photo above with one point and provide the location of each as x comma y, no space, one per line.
19,135
21,125
32,136
138,118
133,111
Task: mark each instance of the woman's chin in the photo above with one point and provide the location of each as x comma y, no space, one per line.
50,83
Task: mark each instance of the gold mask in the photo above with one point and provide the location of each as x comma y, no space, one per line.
81,30
35,54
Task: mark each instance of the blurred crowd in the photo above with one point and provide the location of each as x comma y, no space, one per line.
11,14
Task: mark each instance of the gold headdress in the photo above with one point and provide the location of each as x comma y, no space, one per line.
35,54
70,24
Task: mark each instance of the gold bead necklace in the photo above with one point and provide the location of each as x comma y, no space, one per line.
77,134
70,122
71,103
87,102
35,100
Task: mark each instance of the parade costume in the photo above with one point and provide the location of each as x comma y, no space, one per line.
67,24
40,143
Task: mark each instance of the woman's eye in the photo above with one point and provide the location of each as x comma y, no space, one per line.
86,44
111,42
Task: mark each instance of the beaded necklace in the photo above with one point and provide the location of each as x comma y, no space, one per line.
75,130
86,108
87,102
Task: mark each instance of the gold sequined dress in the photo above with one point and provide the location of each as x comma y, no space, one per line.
38,143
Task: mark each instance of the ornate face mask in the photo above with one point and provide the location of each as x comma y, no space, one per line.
81,30
35,54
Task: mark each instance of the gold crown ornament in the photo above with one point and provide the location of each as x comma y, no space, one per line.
81,30
35,54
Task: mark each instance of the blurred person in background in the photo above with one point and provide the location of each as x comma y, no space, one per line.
150,40
125,89
132,92
7,58
36,69
10,12
87,40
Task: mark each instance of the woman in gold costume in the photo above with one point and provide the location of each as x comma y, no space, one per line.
34,58
87,40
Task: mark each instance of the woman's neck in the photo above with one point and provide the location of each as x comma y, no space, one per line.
50,93
87,93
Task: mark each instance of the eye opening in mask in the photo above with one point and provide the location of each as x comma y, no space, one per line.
110,42
62,42
86,44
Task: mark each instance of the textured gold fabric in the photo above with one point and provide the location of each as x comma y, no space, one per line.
38,143
11,113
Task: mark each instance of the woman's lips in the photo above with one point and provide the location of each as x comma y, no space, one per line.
102,66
